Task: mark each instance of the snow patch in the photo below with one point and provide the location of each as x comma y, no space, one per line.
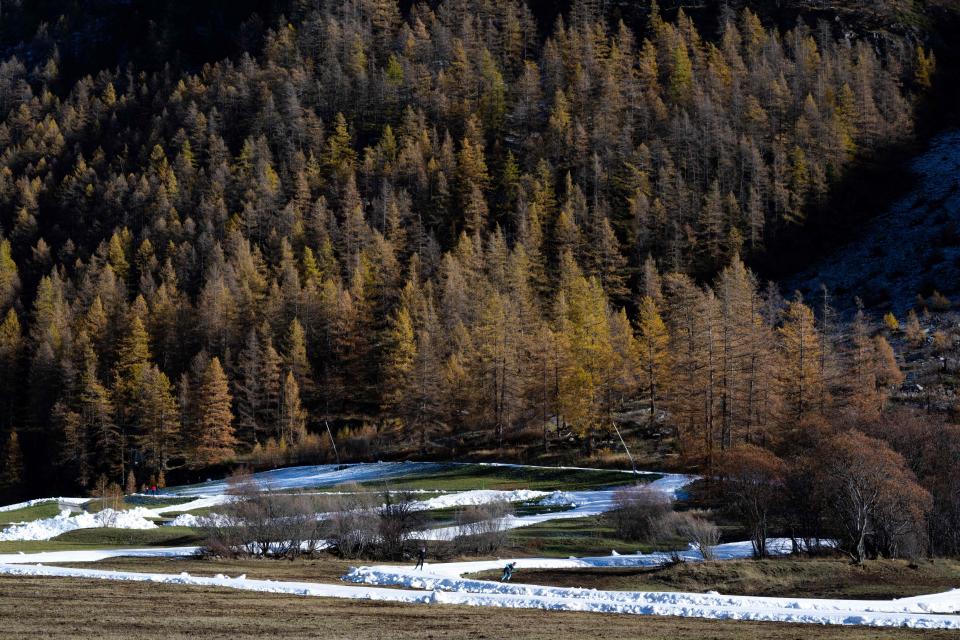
48,528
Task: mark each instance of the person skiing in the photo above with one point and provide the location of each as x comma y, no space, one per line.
421,556
508,572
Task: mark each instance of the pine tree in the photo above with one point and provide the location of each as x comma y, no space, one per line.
216,439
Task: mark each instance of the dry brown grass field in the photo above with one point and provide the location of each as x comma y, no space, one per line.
68,608
56,608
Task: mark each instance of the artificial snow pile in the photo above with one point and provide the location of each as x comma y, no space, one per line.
559,499
48,528
211,520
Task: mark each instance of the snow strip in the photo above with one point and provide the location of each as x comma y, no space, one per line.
921,612
200,503
96,555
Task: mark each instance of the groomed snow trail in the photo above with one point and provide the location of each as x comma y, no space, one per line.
328,475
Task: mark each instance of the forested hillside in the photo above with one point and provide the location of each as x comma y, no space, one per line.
434,231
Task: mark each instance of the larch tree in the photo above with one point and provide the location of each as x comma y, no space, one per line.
292,416
12,474
653,341
9,276
97,420
159,428
296,359
800,373
11,353
216,440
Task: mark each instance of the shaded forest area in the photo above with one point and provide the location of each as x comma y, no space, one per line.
460,229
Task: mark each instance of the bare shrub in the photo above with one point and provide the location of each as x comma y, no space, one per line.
351,523
702,534
263,523
692,526
638,512
482,528
398,521
109,493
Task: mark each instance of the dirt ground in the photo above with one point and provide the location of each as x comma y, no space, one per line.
74,608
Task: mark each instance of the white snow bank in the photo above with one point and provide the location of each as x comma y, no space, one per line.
913,612
48,528
31,503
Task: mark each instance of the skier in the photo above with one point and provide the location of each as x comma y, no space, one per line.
421,556
508,572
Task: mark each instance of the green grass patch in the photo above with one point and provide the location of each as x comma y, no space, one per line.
202,511
27,514
158,502
591,536
466,477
